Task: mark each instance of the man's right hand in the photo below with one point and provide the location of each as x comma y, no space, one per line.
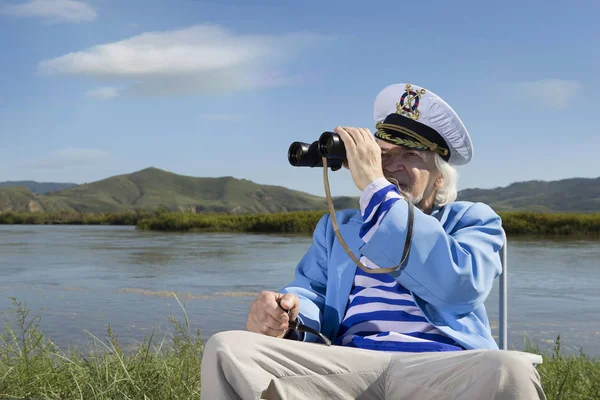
268,313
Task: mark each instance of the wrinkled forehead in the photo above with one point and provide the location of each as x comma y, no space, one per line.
385,146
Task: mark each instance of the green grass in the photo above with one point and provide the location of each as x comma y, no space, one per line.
33,367
560,224
160,219
72,218
290,222
515,223
568,377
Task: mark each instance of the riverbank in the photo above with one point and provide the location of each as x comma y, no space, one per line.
73,218
32,366
301,222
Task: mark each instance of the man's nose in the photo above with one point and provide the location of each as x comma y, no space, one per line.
393,165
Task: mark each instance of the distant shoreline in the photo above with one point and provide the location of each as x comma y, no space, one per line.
301,222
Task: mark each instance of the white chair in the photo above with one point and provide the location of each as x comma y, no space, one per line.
502,300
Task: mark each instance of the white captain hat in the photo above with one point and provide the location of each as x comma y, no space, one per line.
409,115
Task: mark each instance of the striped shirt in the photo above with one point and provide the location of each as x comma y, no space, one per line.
382,314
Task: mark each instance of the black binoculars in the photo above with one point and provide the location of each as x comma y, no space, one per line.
329,145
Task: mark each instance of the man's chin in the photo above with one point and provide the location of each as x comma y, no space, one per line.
404,189
394,181
406,193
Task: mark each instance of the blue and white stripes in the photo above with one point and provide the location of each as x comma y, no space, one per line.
375,202
381,313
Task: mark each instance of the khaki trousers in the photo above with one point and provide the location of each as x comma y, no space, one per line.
245,365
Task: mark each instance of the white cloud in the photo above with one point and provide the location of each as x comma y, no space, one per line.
103,93
65,10
552,93
69,157
195,60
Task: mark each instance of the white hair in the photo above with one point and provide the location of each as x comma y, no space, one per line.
447,193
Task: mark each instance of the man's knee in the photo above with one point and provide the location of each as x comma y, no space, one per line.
512,362
223,343
222,358
513,371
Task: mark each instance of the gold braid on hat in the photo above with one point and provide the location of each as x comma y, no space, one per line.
419,143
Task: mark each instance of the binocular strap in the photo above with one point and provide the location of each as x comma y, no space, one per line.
407,242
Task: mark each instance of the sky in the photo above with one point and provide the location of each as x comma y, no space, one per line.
97,88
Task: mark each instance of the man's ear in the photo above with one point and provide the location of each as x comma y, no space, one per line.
439,182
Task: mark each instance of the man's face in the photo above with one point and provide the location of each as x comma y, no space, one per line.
413,169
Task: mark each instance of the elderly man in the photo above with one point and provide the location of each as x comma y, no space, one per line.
419,330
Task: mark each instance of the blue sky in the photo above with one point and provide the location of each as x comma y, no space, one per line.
91,89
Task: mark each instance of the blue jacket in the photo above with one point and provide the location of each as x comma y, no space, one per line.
453,261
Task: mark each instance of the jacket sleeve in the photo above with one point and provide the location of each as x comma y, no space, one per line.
311,280
452,262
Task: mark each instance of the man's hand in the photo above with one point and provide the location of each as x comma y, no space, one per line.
363,155
268,313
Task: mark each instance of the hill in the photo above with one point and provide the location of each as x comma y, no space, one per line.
567,195
38,187
22,199
152,187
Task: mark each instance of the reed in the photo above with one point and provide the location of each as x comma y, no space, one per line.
514,223
302,222
33,367
570,376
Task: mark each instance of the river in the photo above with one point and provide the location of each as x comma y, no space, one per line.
79,279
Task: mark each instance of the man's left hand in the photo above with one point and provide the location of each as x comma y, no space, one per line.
363,155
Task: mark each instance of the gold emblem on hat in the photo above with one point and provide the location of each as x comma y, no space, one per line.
408,105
